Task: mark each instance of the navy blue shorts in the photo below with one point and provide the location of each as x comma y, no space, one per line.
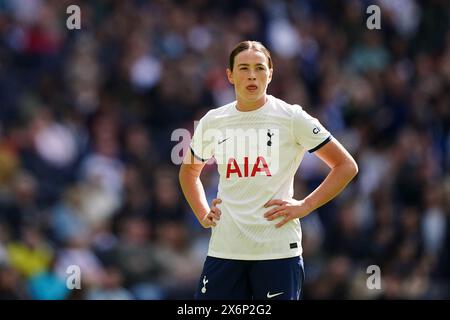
224,279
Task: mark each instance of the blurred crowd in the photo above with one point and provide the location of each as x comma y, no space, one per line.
87,174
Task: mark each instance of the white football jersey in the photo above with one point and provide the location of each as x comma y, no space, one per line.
257,154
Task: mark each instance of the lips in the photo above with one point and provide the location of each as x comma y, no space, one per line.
252,87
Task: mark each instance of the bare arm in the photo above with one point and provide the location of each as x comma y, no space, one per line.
194,192
343,170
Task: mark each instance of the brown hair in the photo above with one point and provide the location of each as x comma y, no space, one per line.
249,45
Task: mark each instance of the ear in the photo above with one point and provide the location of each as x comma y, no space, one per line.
230,76
270,75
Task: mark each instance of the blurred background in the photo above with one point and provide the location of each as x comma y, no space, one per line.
86,117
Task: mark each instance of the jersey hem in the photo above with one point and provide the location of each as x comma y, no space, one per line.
254,257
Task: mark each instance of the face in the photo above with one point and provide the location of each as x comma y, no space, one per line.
250,76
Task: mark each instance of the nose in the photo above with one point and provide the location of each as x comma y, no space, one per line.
251,75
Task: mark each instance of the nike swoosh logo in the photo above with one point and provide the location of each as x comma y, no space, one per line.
223,140
269,296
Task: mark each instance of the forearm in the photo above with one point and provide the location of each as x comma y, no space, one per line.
332,185
194,193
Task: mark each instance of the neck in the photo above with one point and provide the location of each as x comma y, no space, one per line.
250,105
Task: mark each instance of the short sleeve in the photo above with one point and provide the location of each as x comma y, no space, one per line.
308,131
202,144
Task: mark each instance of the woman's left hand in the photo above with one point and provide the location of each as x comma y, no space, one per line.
289,209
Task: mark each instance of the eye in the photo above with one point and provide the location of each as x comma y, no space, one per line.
243,68
261,68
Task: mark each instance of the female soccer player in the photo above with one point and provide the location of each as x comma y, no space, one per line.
258,142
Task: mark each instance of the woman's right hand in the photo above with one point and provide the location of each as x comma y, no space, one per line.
209,220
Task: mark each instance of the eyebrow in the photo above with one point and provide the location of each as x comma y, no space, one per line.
246,64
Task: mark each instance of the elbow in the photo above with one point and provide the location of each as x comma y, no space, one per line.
352,169
348,169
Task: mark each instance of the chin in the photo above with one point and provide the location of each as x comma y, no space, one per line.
254,97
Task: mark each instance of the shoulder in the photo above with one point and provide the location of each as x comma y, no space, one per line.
219,112
284,108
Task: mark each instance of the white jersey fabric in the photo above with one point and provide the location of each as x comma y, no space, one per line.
257,155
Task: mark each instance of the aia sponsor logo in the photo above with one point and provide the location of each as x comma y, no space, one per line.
246,170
